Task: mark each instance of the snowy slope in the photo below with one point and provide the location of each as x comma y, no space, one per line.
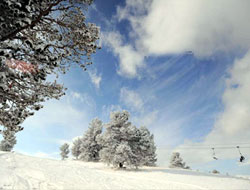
18,171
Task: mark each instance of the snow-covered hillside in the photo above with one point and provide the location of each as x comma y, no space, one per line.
18,171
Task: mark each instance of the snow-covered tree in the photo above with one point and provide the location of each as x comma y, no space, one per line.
112,138
176,161
147,147
64,150
90,146
39,38
122,143
9,140
123,154
75,149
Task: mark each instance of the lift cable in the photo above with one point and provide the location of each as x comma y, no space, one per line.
223,144
228,147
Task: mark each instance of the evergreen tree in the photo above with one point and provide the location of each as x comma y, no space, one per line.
90,146
64,150
130,136
112,138
75,150
123,154
176,161
9,140
121,142
147,147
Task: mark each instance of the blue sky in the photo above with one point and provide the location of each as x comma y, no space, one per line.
181,68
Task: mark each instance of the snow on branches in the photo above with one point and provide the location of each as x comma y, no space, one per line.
177,162
90,147
39,38
64,150
147,146
120,145
120,142
75,149
9,140
126,145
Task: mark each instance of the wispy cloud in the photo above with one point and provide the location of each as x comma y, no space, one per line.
163,27
233,125
147,119
95,78
130,60
131,99
83,98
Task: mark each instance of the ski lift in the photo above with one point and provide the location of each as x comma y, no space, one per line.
214,156
242,158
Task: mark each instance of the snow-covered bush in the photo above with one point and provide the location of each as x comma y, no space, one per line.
75,149
126,145
215,172
9,140
64,150
90,147
177,162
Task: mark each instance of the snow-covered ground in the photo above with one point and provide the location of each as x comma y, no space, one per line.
18,171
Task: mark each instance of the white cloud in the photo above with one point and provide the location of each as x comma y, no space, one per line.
133,8
146,119
107,109
175,26
204,27
130,60
233,124
95,78
161,27
64,112
82,98
55,112
131,99
61,141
